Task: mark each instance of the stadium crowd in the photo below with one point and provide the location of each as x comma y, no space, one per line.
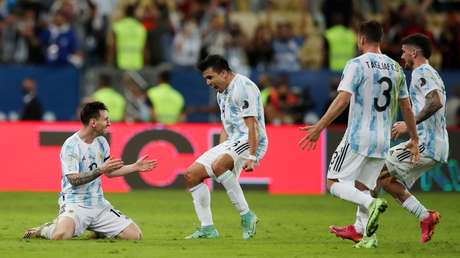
271,37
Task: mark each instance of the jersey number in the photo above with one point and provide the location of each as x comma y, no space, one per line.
386,93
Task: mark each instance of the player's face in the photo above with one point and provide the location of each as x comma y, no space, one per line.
408,56
101,124
216,80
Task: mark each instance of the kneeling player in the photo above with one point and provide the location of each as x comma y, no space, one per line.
85,156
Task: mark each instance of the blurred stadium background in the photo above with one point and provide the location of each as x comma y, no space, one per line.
138,57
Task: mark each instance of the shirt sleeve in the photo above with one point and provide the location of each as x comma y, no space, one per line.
70,160
105,148
247,100
351,78
402,84
427,82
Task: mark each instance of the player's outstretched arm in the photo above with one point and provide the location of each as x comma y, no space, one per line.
141,165
411,128
339,104
108,166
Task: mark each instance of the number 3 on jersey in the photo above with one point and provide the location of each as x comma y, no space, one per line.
386,93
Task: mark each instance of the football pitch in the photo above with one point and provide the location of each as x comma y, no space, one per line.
290,226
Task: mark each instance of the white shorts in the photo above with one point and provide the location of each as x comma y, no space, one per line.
399,165
349,166
103,219
239,151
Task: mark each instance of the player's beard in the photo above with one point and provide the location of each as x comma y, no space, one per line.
408,64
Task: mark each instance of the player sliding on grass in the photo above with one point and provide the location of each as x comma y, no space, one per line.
372,83
85,156
243,143
428,98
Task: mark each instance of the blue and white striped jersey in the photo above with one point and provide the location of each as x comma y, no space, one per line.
77,157
376,82
432,132
242,99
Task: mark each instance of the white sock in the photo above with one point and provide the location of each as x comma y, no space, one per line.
202,203
362,216
415,207
348,192
47,231
234,191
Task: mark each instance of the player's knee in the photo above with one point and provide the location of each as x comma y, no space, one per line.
192,179
222,164
132,232
60,235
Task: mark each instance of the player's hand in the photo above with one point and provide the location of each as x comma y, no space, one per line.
111,165
143,164
412,146
398,129
249,165
309,140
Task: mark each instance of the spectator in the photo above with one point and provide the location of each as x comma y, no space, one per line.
236,54
302,111
340,43
280,103
60,42
265,87
168,103
32,109
138,105
286,46
449,42
260,49
187,45
215,37
159,32
127,42
113,100
95,29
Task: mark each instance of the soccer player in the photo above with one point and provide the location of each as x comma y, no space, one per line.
428,97
372,84
243,143
85,156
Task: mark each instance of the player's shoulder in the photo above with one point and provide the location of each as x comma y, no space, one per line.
426,70
242,83
356,61
71,143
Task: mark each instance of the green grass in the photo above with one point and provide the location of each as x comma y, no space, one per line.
291,226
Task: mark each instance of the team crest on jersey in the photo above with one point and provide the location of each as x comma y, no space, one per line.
245,104
422,82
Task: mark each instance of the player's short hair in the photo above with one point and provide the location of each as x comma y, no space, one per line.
372,30
419,40
216,62
91,110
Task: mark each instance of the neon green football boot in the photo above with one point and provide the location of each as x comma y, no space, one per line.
206,232
377,207
367,242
